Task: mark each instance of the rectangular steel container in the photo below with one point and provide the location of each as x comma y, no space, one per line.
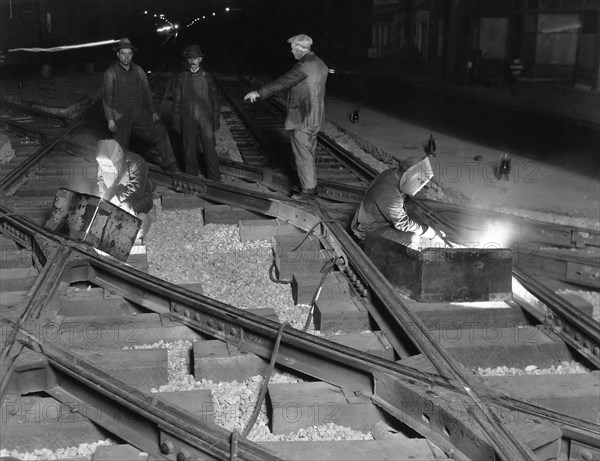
112,229
443,274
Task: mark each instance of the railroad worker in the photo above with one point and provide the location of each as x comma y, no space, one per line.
128,107
196,115
305,108
123,180
383,207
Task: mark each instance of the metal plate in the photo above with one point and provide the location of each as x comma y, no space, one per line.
112,229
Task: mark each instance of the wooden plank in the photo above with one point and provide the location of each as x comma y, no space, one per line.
374,343
183,202
291,257
452,316
353,450
118,452
571,394
264,229
17,273
292,407
305,285
116,331
492,347
225,214
31,422
217,361
142,368
199,402
340,315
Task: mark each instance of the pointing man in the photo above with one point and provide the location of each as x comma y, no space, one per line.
305,108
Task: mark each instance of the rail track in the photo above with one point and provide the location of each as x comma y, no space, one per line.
418,376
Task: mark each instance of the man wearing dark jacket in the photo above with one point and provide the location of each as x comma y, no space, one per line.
305,108
123,180
383,207
196,115
128,107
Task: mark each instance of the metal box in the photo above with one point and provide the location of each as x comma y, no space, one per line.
443,274
109,229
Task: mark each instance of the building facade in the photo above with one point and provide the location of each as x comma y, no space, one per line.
476,41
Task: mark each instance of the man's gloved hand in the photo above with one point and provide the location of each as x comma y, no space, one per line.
252,96
438,241
112,126
120,190
101,189
429,233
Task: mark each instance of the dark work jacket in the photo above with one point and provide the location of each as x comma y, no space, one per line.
195,97
134,185
383,205
306,98
126,92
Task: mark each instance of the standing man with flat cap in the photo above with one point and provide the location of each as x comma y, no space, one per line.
305,108
196,115
128,106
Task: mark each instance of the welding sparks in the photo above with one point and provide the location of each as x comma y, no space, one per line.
496,234
64,48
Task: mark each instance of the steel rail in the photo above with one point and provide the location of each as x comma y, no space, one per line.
31,306
207,438
503,440
17,174
259,329
569,323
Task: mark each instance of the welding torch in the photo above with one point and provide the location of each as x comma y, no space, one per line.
106,195
94,215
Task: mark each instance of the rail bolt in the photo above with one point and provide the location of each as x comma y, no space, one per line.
587,455
186,313
167,447
183,455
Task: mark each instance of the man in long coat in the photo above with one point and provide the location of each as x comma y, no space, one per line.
196,115
305,108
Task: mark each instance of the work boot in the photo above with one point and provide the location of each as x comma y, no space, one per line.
306,194
173,168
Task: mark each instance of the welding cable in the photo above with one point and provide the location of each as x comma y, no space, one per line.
265,384
272,277
313,228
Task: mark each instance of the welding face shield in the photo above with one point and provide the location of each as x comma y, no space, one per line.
415,177
109,156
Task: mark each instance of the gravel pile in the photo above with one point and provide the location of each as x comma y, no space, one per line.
234,402
83,451
564,368
181,250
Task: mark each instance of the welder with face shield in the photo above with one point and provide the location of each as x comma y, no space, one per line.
383,207
123,180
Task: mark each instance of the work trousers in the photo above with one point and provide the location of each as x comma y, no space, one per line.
304,146
199,146
155,133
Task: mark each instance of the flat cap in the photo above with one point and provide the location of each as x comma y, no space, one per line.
124,43
301,40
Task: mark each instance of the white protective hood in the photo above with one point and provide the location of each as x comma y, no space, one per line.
413,179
